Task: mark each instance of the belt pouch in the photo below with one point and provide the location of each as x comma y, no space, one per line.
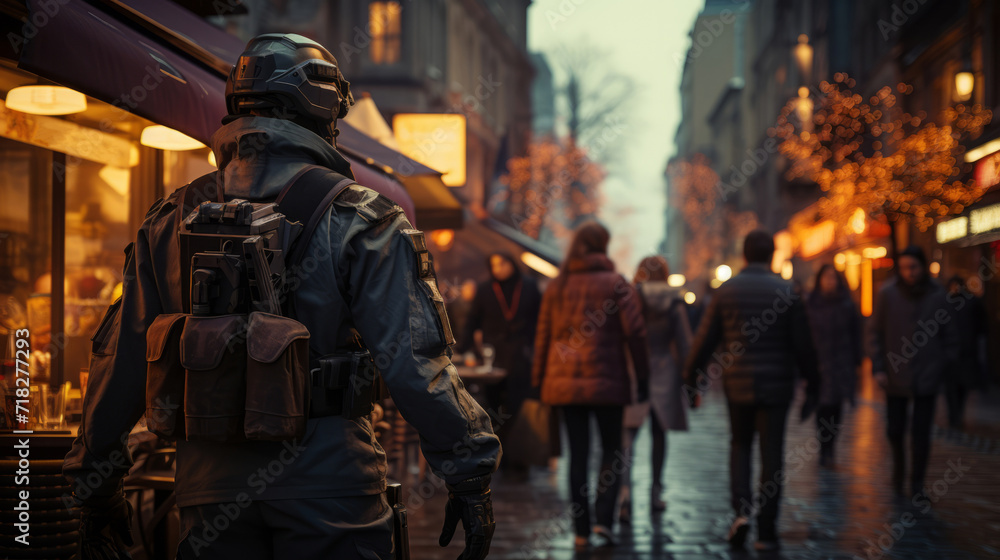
214,356
277,378
165,376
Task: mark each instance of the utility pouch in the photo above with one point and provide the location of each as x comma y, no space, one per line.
165,376
343,385
214,356
277,381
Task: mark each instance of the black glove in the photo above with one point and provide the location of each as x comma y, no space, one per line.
470,501
105,529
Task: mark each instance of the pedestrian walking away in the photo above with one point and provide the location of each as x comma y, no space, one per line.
589,327
669,337
755,332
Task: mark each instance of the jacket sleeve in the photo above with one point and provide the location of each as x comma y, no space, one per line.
875,335
116,387
543,338
399,313
634,327
705,342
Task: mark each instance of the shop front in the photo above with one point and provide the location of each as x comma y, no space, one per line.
120,113
970,248
858,247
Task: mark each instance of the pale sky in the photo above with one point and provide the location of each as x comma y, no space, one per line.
642,38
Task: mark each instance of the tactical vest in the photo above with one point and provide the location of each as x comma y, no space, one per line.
235,366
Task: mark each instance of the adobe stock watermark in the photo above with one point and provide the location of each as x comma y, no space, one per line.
556,526
31,26
204,535
927,329
794,461
563,12
751,330
708,30
890,534
362,37
555,193
900,13
754,162
594,320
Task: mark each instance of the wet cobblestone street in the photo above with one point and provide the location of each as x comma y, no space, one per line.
845,512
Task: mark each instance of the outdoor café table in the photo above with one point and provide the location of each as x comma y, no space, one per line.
477,378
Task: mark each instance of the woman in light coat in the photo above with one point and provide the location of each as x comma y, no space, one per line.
669,336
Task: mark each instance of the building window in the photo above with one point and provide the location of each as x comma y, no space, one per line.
385,22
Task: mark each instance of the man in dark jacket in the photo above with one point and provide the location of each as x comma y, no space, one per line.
912,344
754,336
363,277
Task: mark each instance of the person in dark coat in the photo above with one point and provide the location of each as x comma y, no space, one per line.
913,344
753,338
505,309
970,324
669,337
590,321
836,327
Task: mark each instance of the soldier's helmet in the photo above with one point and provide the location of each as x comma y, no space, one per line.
289,76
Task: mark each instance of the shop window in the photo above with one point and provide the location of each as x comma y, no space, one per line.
385,22
74,189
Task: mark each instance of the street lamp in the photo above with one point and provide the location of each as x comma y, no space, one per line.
804,57
723,272
965,82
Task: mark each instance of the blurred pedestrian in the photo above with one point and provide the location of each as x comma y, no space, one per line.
590,321
836,327
669,337
970,325
912,344
754,335
505,310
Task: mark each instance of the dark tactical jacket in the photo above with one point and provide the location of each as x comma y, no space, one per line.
359,277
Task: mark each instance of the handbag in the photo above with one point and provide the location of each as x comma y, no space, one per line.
527,440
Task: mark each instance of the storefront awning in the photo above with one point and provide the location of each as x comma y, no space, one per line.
174,76
92,51
436,206
489,236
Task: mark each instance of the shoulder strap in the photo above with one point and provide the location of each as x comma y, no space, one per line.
306,198
191,195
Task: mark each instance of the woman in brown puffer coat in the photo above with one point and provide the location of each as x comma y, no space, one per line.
590,319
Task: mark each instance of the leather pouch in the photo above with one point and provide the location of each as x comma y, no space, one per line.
165,376
213,353
277,381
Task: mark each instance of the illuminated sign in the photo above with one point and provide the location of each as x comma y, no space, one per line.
984,219
817,239
952,229
987,172
435,140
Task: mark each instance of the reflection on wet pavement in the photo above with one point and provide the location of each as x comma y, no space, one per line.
846,512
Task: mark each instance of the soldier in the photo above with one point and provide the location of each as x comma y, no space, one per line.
365,277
